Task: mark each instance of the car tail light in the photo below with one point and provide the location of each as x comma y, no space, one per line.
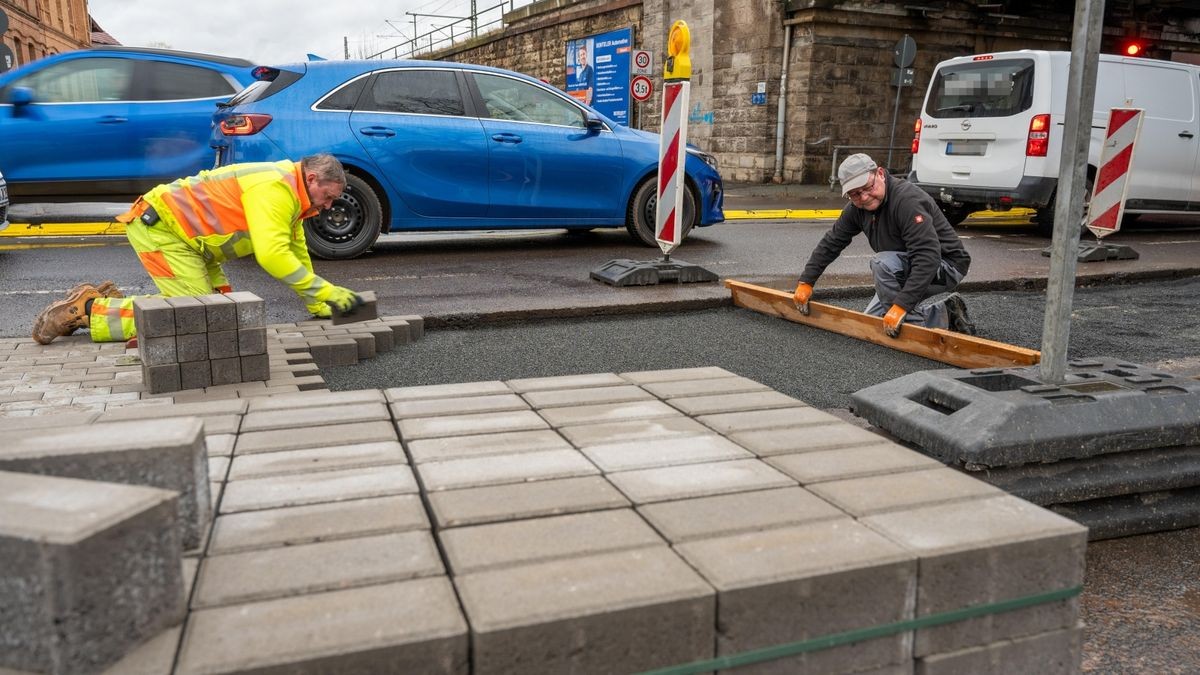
265,73
916,135
1039,136
244,125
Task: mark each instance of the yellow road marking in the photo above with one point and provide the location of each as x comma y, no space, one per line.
61,229
19,247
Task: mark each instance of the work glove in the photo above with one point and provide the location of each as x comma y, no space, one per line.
893,319
343,300
320,310
802,296
224,289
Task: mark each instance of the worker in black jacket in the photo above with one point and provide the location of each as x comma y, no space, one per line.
918,261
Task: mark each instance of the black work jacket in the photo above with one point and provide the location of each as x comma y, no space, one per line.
908,220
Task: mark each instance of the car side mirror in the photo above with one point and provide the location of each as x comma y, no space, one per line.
594,123
20,96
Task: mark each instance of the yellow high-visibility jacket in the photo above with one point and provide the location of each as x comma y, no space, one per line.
236,210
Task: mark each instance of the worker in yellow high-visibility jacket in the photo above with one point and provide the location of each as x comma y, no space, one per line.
184,230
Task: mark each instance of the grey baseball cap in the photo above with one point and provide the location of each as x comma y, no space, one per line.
855,171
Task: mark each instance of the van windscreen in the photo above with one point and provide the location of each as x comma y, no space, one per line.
982,89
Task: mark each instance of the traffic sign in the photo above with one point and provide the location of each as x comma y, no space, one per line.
758,99
6,58
903,77
642,60
904,52
641,88
3,21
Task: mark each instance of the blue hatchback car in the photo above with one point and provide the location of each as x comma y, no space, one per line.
112,121
447,146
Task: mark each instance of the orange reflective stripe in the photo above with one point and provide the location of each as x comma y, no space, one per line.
156,264
168,199
126,313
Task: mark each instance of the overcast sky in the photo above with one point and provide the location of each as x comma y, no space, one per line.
270,31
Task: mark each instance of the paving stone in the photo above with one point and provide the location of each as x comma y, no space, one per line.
458,447
663,452
251,309
153,657
168,454
728,423
868,460
269,420
14,424
615,432
697,480
1055,653
446,391
497,503
311,568
284,462
416,324
411,626
402,332
334,352
480,547
226,371
1000,548
218,468
807,581
704,387
161,379
299,438
706,517
628,611
607,412
591,395
368,310
221,312
54,617
220,445
365,343
457,474
676,374
467,425
385,338
893,491
199,409
458,406
744,401
255,368
222,344
252,341
191,317
317,522
191,347
153,316
316,488
528,384
195,374
767,442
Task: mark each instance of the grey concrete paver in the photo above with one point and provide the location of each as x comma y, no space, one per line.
328,458
556,398
703,387
635,610
663,452
706,517
156,656
481,547
263,574
220,445
268,528
830,436
697,480
615,432
446,391
456,474
460,447
468,425
498,503
676,374
458,405
302,437
727,423
868,460
1053,653
314,488
528,384
317,399
405,627
739,402
607,412
907,489
269,420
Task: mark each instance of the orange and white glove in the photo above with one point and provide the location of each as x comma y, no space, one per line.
224,289
893,319
801,297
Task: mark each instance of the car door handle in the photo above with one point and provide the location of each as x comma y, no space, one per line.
112,119
1185,134
507,138
382,132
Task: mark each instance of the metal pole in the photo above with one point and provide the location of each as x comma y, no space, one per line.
1072,178
896,110
781,113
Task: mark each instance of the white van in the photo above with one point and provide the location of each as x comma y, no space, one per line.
991,131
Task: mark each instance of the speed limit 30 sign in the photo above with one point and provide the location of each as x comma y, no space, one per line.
641,61
641,88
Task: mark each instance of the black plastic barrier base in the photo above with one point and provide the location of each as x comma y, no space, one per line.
1008,416
622,272
1099,252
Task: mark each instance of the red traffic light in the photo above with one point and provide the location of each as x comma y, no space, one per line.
1133,49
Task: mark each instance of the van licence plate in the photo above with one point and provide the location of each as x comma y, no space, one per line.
970,148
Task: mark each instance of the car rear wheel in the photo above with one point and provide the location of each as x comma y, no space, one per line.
349,227
957,214
1045,215
643,206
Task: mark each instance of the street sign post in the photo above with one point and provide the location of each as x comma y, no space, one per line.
902,55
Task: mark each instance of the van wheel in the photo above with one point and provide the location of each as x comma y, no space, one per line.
957,214
1044,224
348,228
643,206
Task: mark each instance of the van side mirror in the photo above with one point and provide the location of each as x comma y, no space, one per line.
20,96
594,123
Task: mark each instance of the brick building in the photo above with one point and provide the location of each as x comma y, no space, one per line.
839,63
38,28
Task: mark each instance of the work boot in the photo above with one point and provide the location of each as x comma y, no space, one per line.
956,307
106,288
65,316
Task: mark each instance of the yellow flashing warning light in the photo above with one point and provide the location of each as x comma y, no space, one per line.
678,64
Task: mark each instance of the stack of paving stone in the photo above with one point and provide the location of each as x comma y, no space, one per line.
601,523
348,343
197,342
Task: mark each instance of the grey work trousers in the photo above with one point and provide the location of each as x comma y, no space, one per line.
891,270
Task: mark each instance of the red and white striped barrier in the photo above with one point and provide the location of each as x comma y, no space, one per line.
1112,181
672,139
